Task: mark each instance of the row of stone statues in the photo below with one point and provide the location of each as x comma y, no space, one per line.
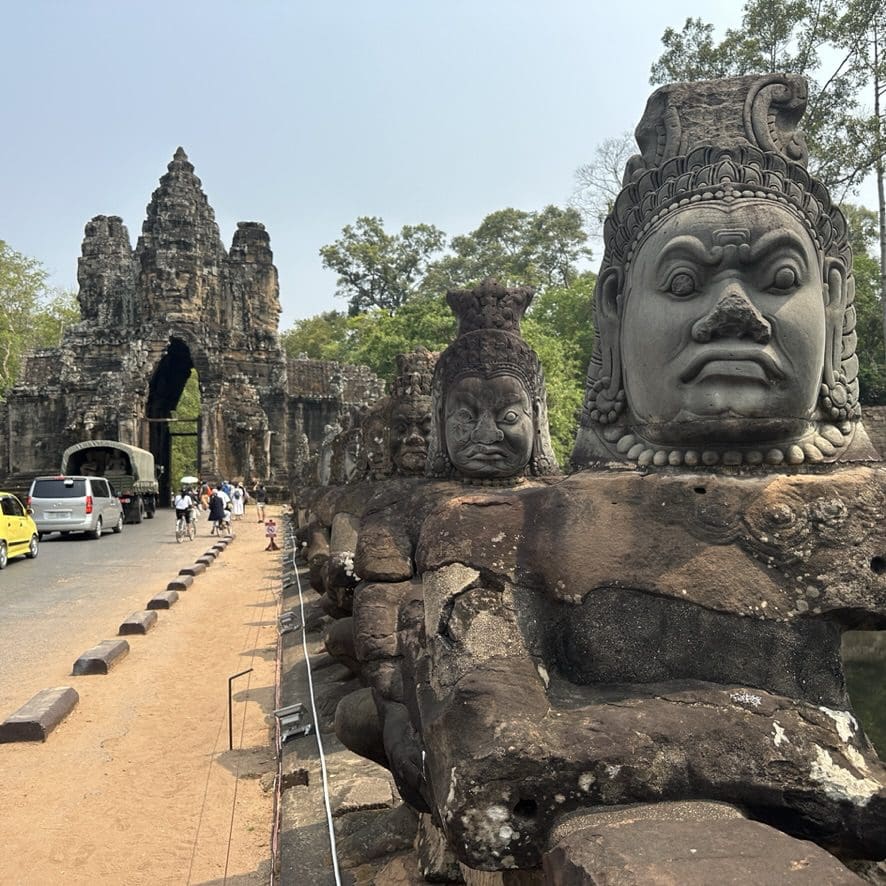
664,623
478,413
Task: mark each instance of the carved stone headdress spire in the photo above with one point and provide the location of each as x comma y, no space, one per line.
415,373
720,143
488,339
488,343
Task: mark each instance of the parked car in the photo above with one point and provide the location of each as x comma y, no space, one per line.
18,532
75,504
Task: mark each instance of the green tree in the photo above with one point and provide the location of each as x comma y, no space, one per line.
183,449
863,226
539,249
869,328
864,35
690,54
568,313
560,328
380,270
58,310
563,380
31,315
321,337
378,336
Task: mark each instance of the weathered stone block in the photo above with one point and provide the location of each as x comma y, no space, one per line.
694,844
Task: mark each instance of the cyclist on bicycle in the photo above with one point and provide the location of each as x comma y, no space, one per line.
217,511
184,505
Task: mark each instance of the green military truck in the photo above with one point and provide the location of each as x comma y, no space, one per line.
128,469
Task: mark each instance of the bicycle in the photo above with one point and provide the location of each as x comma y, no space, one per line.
185,528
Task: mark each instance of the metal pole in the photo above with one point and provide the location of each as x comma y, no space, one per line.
230,714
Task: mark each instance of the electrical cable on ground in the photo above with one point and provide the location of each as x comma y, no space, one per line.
277,822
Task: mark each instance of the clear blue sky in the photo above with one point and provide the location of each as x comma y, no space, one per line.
305,116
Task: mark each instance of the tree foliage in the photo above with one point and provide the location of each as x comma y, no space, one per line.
380,270
183,449
321,337
540,249
690,54
868,306
31,315
869,328
560,328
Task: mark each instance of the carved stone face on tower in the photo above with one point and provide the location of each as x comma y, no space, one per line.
723,326
489,426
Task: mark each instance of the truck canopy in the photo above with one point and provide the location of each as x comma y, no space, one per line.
108,458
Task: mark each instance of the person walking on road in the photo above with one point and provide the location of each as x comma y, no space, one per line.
238,501
261,499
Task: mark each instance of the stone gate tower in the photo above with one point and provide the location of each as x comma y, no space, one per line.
178,301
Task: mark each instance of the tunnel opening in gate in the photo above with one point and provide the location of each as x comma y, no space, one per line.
173,413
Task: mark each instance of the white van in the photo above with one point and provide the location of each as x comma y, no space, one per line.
75,504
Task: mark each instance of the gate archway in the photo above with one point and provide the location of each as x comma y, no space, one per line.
164,392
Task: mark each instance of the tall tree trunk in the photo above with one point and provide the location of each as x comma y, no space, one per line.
881,205
880,148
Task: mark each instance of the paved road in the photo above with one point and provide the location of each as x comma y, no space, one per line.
75,594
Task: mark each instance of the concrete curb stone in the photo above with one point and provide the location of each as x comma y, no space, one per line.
163,600
101,658
196,569
35,719
138,623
